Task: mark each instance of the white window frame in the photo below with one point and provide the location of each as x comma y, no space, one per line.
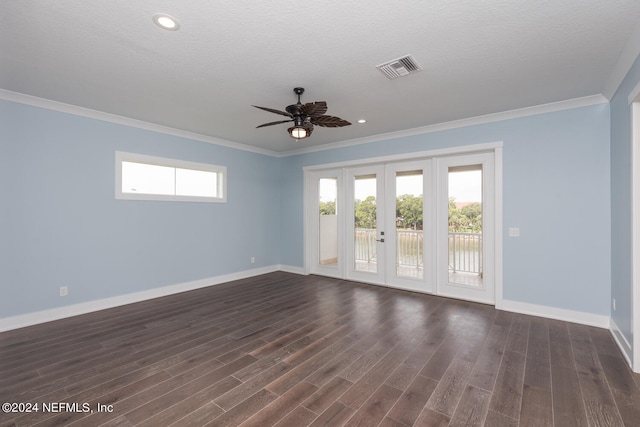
122,156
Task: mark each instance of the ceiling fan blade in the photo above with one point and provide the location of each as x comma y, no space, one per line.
329,121
274,123
314,109
271,110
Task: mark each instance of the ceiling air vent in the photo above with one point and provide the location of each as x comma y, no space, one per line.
400,67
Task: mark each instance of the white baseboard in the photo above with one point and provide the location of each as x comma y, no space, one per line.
21,321
623,344
572,316
291,269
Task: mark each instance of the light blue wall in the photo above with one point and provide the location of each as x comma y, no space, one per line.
621,285
556,189
61,225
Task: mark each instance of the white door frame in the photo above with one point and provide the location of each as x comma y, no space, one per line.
427,283
490,147
312,223
486,293
635,236
378,277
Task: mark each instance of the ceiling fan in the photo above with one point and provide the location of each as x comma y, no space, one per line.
305,116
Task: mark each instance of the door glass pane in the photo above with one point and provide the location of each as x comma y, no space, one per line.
409,224
328,234
465,225
365,223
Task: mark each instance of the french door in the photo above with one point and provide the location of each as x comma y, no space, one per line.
365,235
325,223
410,242
465,227
424,225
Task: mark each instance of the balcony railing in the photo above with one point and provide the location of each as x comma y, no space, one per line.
409,248
465,249
365,244
465,253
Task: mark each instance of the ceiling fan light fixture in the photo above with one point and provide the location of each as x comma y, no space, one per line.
298,132
304,117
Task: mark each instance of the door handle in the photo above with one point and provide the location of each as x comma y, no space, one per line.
381,240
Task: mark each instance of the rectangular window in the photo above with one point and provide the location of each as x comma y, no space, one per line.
141,177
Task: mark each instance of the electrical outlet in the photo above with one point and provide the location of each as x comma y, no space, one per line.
64,291
514,232
253,260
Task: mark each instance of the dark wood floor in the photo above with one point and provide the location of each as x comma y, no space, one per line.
289,350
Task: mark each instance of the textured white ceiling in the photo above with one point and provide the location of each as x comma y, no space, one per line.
479,57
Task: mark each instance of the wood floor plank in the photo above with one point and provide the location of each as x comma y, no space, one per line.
618,374
536,407
335,367
375,407
190,407
623,387
204,414
560,344
518,338
568,408
326,395
356,395
628,406
538,364
335,415
413,400
448,392
284,349
236,395
390,422
189,385
507,395
495,419
599,402
431,418
305,369
442,358
485,370
125,401
407,371
300,416
363,364
472,409
472,331
280,407
239,413
604,342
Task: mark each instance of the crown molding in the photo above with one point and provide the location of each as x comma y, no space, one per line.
627,58
48,104
478,120
126,121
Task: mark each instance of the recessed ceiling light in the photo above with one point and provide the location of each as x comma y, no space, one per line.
362,121
166,22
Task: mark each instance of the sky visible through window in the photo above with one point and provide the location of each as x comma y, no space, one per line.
164,180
